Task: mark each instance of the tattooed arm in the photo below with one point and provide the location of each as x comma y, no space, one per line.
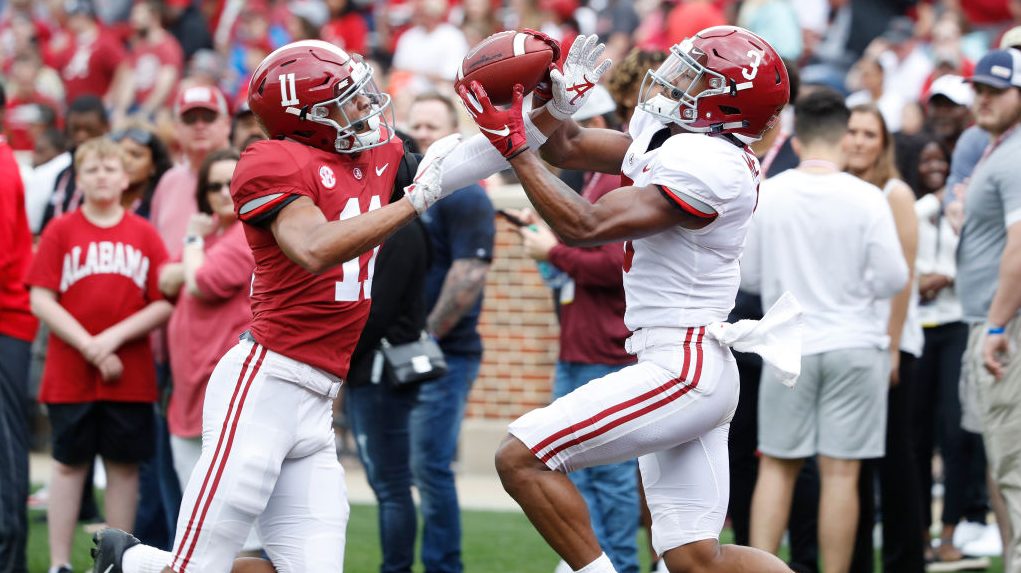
461,288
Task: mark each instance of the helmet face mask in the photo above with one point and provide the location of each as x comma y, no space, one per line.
358,130
315,93
671,92
723,80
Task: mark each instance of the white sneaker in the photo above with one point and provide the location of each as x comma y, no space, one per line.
966,532
989,544
563,567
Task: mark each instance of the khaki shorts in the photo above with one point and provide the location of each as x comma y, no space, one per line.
986,403
837,409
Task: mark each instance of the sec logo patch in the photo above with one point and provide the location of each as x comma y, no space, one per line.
327,177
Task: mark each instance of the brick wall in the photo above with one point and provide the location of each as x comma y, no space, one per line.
519,330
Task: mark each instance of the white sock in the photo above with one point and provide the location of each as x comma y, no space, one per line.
145,559
602,564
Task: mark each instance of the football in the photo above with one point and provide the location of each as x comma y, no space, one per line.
505,59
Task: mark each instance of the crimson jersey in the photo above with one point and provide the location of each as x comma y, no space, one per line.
315,319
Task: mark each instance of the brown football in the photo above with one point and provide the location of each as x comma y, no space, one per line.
505,59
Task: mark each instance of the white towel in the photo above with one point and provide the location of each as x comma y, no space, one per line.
776,337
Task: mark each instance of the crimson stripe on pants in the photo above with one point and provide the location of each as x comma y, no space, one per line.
637,400
235,407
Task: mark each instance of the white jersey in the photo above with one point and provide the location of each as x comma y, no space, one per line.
681,277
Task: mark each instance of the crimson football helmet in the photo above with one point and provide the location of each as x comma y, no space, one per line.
294,88
723,80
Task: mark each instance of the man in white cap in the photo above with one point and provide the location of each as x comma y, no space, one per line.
948,109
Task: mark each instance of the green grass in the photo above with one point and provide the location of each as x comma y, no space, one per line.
493,542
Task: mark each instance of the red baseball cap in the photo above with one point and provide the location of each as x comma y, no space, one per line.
201,97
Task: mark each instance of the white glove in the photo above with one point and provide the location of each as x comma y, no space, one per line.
426,188
574,85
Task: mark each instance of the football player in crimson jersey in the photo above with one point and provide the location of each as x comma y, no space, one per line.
690,187
316,200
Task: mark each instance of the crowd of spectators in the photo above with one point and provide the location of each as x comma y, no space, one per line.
165,82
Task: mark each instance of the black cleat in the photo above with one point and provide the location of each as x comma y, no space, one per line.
109,546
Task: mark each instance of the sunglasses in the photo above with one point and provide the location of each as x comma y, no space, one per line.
216,186
139,136
193,116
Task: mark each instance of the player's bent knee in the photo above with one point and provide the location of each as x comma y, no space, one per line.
696,557
513,459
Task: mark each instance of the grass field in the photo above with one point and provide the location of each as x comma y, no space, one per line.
494,542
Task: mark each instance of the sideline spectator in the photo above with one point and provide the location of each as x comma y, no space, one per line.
815,229
146,79
988,262
948,112
870,75
347,28
17,330
244,128
86,119
938,406
870,156
592,334
461,232
49,159
93,283
427,54
90,62
146,160
202,125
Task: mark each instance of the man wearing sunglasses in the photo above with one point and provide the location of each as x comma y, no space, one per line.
202,126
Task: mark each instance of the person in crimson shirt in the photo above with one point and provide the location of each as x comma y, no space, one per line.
86,56
17,330
347,27
146,79
94,284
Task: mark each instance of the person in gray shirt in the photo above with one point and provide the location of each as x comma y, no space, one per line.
989,280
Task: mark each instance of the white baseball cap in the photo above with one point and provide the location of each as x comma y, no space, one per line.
954,88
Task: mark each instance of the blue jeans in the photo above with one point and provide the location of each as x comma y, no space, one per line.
378,416
435,424
159,493
610,491
14,358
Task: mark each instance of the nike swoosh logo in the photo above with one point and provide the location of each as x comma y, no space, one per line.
380,170
109,569
501,132
645,169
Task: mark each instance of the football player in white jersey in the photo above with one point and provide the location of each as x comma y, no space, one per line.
690,185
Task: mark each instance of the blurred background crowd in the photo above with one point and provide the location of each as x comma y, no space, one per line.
167,80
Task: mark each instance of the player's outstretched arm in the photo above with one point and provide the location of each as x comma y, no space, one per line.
625,213
314,243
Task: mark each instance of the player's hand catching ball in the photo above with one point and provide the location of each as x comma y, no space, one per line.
427,187
574,85
504,128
